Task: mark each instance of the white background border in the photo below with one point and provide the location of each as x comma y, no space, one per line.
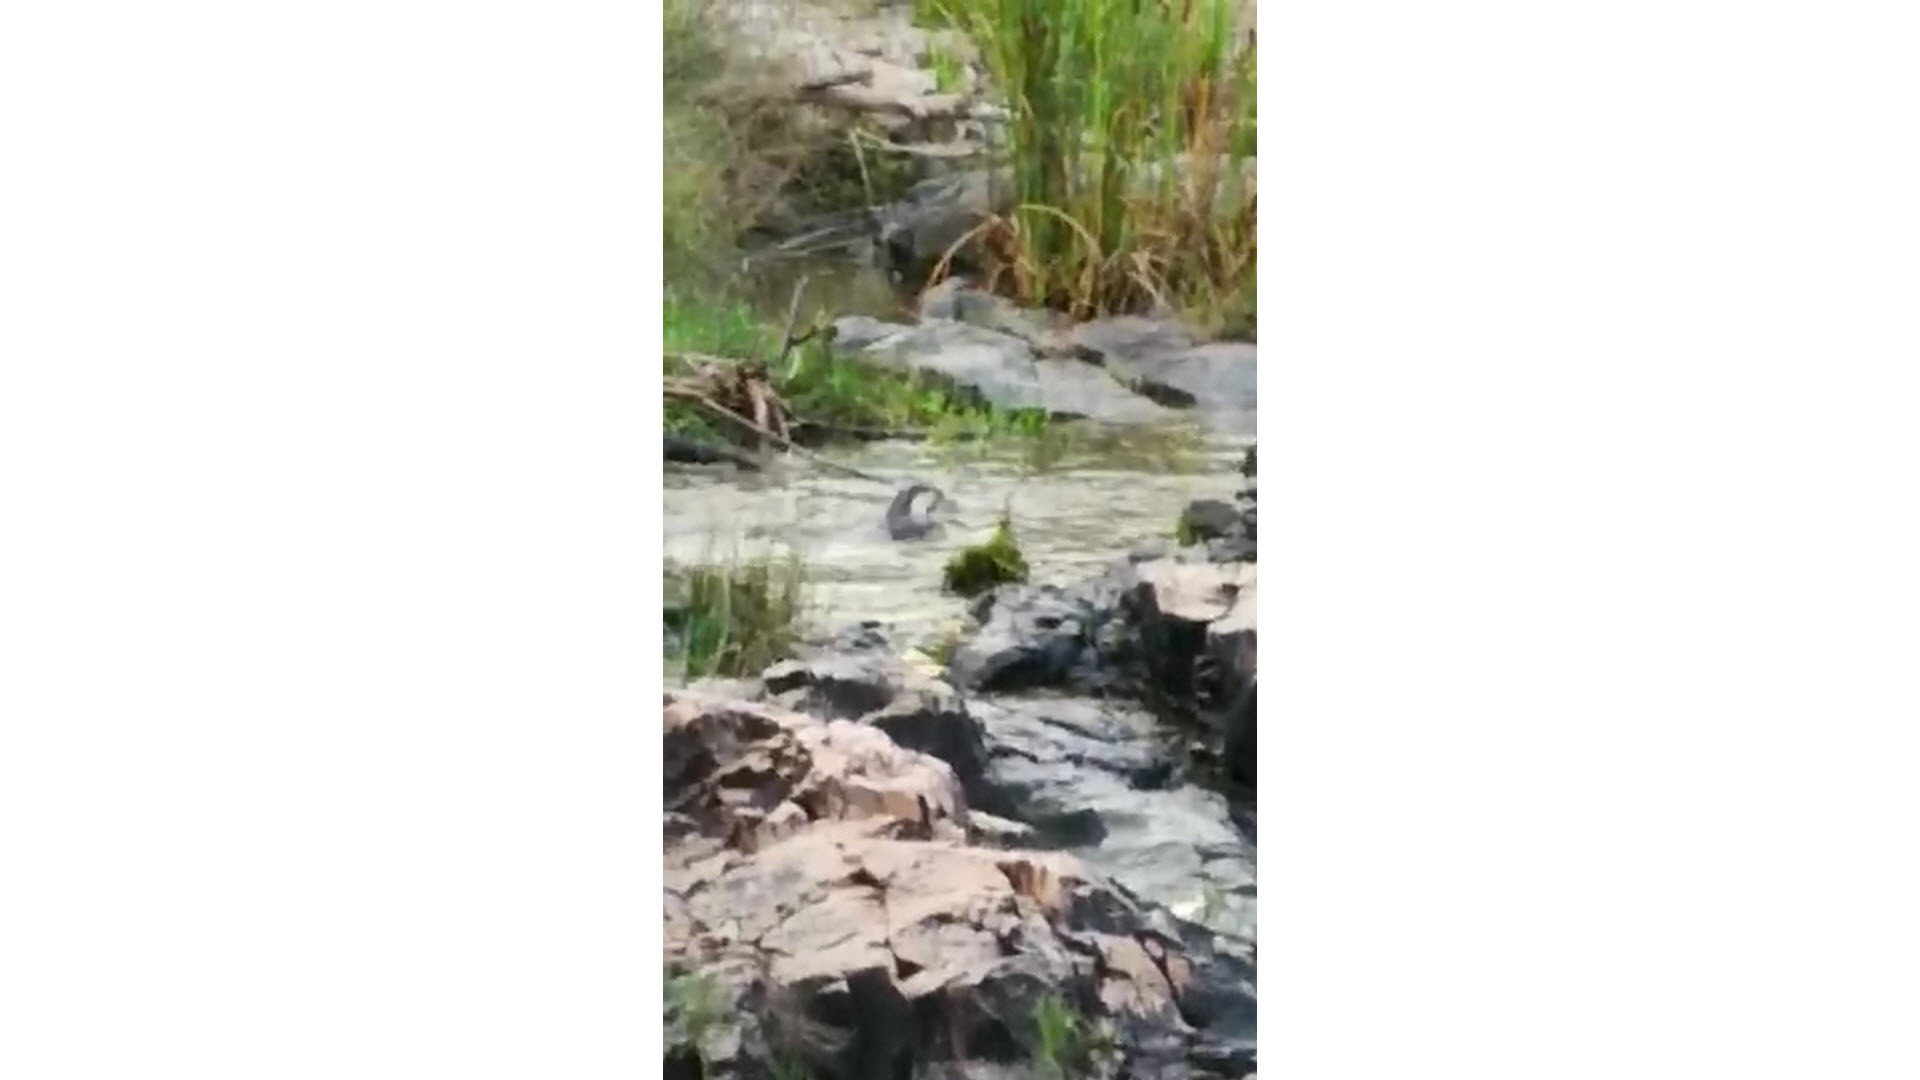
327,397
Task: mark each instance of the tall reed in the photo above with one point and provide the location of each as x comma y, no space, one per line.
735,618
1132,123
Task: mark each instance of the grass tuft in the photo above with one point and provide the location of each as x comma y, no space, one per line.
973,570
1058,1030
694,1010
733,620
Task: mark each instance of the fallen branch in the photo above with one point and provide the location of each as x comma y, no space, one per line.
708,405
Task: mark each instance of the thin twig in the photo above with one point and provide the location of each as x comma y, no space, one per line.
787,340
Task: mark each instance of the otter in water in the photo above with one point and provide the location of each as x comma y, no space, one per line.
902,522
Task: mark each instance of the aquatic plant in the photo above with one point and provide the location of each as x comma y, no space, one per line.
973,570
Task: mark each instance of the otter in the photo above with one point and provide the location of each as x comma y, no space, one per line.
902,524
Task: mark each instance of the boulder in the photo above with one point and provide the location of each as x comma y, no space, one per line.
876,688
1032,636
1161,360
1210,519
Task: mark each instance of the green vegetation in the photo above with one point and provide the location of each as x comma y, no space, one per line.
1058,1030
824,388
1131,123
736,619
974,570
948,71
694,1009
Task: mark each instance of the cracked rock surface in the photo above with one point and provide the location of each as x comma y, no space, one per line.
821,890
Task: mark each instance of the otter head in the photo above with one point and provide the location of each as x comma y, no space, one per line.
907,522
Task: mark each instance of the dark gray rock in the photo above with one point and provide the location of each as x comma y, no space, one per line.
1034,636
1210,519
1161,360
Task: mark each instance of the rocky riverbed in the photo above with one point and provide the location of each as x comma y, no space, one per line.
878,866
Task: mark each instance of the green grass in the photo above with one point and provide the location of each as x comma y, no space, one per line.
974,570
949,71
1058,1030
733,619
693,1010
1106,96
825,388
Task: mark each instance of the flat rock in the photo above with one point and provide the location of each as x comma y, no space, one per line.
1003,370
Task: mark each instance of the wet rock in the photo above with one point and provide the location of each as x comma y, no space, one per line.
1227,532
1034,636
1092,777
1232,652
1210,519
989,830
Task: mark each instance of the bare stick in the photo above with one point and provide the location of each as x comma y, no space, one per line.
788,341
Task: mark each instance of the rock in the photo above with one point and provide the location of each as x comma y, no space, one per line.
1159,359
877,688
1091,777
1232,647
685,451
1210,519
1076,389
1032,636
1002,370
991,831
753,774
1124,336
852,333
855,946
1171,606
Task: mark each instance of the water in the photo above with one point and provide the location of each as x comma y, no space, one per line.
1070,522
